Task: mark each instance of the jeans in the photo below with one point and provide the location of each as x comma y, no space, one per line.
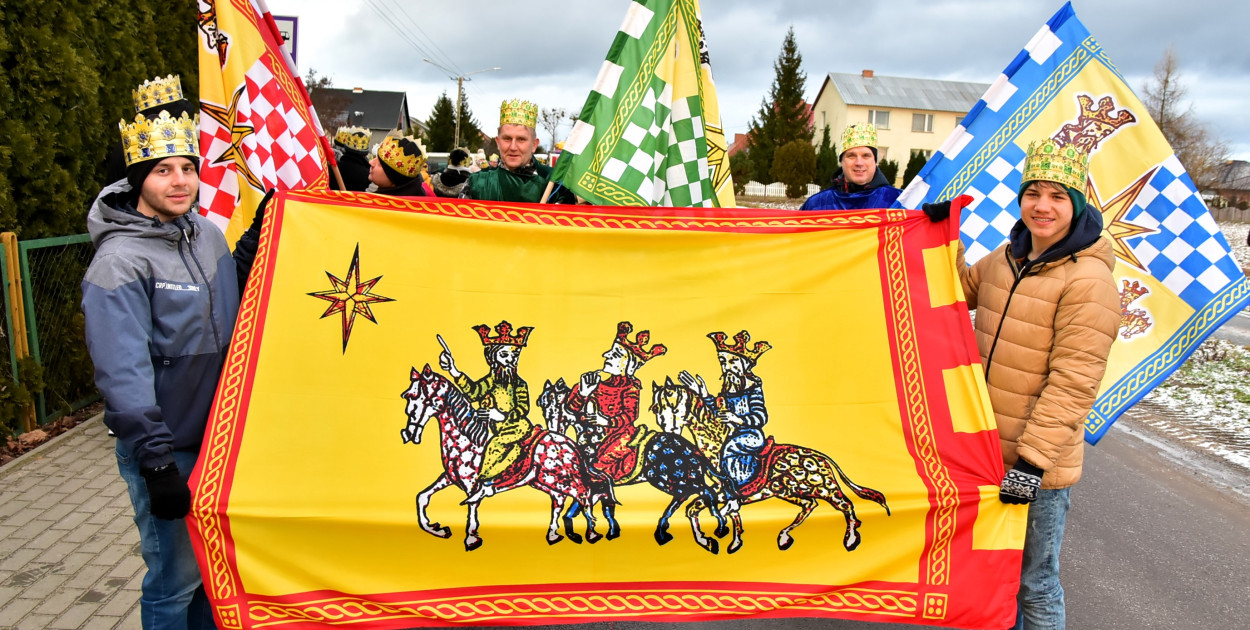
1041,597
172,596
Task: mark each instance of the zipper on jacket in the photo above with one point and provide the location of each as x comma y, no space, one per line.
989,358
212,311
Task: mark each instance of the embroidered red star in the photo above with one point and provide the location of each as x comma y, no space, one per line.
351,297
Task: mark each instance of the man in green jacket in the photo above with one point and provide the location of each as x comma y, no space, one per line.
519,177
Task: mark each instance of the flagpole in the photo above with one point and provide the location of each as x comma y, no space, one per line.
547,192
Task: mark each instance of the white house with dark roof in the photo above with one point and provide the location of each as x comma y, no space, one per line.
910,114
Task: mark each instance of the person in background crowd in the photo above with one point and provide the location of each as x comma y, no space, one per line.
452,180
351,150
1047,313
858,183
159,301
519,177
396,170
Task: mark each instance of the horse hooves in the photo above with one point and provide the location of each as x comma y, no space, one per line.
734,546
664,537
593,537
551,540
713,546
575,537
784,542
613,534
852,544
436,529
472,543
722,531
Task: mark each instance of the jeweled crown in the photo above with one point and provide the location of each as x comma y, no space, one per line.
158,138
504,335
354,138
394,156
859,135
518,112
739,346
638,346
158,91
1048,161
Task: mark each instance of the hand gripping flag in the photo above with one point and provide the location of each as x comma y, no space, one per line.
1178,280
650,132
391,352
258,129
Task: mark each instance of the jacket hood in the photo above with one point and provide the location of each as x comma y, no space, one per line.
113,214
1085,232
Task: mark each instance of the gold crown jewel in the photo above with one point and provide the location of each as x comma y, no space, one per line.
739,346
158,91
158,138
393,155
354,138
504,335
1048,161
638,345
518,112
859,135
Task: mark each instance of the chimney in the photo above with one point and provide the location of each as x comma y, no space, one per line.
361,90
867,74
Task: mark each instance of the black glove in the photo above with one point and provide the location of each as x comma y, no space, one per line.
259,217
168,493
937,211
1021,483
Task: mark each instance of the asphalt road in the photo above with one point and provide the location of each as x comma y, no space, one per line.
1158,538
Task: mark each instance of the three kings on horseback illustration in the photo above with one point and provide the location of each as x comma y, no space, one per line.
490,445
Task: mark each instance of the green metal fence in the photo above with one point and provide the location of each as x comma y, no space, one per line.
51,275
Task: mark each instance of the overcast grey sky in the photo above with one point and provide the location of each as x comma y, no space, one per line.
550,51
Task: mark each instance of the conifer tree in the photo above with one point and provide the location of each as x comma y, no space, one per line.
470,133
914,164
440,134
783,115
826,160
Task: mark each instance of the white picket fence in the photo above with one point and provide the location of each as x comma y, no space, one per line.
775,189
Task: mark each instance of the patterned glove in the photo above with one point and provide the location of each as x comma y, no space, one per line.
937,211
1021,484
168,493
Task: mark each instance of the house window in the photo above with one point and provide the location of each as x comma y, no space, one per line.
823,123
881,153
879,118
924,153
922,123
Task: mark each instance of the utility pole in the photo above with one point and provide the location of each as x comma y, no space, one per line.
460,79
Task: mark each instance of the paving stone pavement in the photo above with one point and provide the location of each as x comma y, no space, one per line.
69,550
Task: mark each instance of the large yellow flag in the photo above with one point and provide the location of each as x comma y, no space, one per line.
258,130
766,413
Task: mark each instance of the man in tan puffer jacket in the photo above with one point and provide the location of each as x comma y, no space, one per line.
1047,313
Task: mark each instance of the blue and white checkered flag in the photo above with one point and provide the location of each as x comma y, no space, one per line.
1177,277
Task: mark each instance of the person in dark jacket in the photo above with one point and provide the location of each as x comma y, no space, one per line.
159,302
858,184
351,150
518,176
396,170
452,180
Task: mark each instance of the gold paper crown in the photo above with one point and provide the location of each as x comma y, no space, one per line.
518,112
159,138
354,138
1049,162
638,345
504,336
859,135
739,347
158,91
394,156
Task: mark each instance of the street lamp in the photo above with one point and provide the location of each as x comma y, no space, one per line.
460,79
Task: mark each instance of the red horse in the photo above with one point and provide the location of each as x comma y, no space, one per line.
551,462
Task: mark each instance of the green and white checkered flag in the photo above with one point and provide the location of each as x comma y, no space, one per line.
650,132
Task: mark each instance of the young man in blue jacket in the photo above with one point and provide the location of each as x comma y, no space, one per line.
160,300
